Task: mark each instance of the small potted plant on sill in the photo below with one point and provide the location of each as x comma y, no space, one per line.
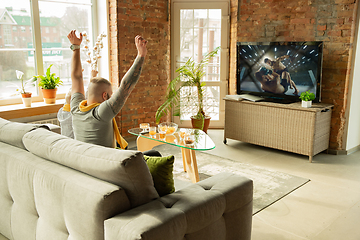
307,98
49,83
25,95
190,76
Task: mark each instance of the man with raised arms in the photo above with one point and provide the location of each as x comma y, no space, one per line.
93,118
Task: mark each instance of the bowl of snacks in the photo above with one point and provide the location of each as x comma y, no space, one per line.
167,127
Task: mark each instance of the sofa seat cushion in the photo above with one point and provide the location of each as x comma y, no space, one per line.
13,132
124,168
217,208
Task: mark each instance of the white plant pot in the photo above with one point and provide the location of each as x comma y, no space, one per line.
306,104
27,101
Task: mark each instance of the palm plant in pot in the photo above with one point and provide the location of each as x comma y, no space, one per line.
49,83
179,91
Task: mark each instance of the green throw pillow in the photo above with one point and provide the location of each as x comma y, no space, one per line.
161,169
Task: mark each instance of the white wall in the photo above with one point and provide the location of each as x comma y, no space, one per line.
102,22
352,134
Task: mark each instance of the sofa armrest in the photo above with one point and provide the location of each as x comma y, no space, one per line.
219,207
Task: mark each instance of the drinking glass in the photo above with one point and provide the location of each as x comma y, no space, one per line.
189,140
182,133
144,126
162,133
152,132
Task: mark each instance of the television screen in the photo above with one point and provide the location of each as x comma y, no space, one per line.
279,70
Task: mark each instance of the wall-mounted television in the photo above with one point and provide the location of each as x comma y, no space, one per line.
279,71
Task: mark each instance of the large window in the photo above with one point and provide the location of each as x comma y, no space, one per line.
42,40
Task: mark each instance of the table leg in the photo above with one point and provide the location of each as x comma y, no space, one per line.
190,165
183,158
145,144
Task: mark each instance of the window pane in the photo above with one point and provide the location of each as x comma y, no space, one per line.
10,61
56,21
211,102
200,32
15,37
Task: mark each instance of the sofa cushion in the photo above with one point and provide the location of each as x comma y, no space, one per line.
124,168
13,132
40,199
161,169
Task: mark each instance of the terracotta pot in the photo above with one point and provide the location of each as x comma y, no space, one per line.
26,95
49,95
26,98
196,123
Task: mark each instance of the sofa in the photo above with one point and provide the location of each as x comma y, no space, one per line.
54,187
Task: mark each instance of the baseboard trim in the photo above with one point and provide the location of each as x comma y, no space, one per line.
344,152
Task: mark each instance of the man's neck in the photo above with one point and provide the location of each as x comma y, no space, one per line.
92,101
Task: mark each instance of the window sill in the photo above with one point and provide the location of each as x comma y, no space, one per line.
37,108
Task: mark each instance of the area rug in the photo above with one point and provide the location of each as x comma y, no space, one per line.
269,186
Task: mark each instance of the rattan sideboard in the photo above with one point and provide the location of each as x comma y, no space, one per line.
287,127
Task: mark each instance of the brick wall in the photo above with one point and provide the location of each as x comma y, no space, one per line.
331,21
234,6
149,19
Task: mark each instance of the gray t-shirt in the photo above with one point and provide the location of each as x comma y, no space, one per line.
94,126
65,119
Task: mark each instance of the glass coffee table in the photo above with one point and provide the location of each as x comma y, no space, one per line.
202,142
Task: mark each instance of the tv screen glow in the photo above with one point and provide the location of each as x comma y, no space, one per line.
277,69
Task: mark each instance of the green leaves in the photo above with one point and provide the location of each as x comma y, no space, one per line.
20,89
49,81
190,75
307,96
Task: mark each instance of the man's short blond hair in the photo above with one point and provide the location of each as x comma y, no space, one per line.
97,86
100,80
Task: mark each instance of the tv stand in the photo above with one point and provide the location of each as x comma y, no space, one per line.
279,100
287,127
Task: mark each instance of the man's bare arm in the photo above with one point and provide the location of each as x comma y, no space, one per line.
127,84
131,77
77,83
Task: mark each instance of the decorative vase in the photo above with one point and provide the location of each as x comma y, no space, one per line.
196,123
306,104
26,98
49,95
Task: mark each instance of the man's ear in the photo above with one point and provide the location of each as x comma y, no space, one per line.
104,96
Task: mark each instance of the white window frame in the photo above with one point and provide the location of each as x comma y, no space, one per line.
100,24
224,53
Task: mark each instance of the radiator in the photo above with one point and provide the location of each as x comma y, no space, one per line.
54,121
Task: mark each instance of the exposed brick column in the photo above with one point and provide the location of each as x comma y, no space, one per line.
233,39
149,19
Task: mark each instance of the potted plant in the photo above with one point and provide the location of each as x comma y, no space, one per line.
49,83
307,98
25,95
190,76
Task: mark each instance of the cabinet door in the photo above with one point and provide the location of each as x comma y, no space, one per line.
275,127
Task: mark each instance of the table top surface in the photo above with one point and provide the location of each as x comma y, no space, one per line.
202,141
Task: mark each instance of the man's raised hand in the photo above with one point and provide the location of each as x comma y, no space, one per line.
141,45
73,38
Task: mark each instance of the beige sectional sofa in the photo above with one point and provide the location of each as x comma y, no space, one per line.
53,187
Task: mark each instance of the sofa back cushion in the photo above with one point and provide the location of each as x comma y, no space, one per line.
40,199
124,168
13,132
